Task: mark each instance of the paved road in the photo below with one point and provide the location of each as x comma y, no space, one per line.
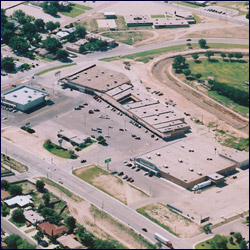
103,201
121,50
206,13
11,229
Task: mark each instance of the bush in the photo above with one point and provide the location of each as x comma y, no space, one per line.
15,190
5,185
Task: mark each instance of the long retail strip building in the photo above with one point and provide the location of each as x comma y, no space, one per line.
184,163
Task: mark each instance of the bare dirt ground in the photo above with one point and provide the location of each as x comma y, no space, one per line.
118,188
104,227
183,227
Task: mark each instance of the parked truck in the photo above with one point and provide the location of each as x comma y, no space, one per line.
163,240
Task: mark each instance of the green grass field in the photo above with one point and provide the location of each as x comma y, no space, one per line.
206,245
232,73
128,37
186,4
51,69
157,16
77,10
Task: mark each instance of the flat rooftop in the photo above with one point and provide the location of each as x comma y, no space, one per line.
184,160
99,78
24,95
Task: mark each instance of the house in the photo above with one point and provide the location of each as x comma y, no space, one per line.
61,35
33,217
42,52
5,195
51,229
69,30
20,200
69,241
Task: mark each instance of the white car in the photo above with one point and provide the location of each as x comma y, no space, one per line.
110,126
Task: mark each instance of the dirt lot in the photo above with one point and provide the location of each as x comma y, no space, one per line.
99,223
183,227
114,186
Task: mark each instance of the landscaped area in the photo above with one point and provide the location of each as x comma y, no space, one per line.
59,151
51,69
186,4
128,37
170,220
235,241
110,184
76,10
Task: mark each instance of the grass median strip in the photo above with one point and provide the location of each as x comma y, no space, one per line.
51,69
13,164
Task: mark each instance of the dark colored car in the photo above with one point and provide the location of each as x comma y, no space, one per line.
121,173
151,174
144,229
83,161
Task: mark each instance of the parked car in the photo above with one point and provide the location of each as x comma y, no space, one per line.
144,229
83,161
125,177
151,174
147,173
138,169
121,173
129,179
77,108
133,167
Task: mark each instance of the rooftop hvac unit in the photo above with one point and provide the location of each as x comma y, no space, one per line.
185,179
102,72
209,159
180,160
165,166
156,109
199,173
115,81
96,76
111,75
190,169
89,79
85,73
149,157
190,150
182,146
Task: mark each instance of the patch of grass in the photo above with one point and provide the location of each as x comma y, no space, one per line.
142,210
233,73
82,7
137,237
196,18
158,16
186,4
14,164
30,230
27,186
64,190
51,69
143,193
206,244
73,13
37,57
146,56
58,151
128,37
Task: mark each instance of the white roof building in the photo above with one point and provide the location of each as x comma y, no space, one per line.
19,200
33,217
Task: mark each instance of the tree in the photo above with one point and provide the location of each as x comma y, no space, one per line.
55,218
19,15
13,241
29,30
8,64
6,35
18,215
37,39
180,59
26,245
40,185
103,244
238,55
51,7
40,24
208,54
198,75
80,31
195,56
187,72
230,55
52,44
247,15
238,237
4,183
62,54
39,235
87,239
218,242
243,245
4,210
15,190
50,26
223,55
203,43
46,199
71,223
3,17
19,44
158,245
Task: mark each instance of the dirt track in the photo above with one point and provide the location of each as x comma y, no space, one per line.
158,71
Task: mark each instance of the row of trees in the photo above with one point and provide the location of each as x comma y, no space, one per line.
237,95
13,189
